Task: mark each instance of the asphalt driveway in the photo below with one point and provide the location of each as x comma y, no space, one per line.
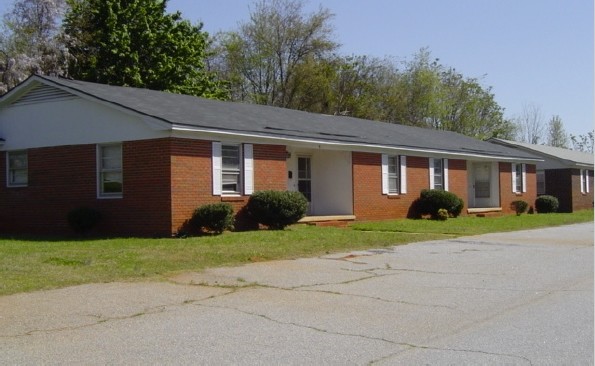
522,298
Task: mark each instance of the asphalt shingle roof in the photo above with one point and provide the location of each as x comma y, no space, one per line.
242,118
571,157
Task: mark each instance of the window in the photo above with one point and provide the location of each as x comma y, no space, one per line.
109,168
584,181
233,171
540,176
394,174
519,179
230,173
17,172
438,174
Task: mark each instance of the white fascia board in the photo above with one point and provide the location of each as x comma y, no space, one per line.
188,131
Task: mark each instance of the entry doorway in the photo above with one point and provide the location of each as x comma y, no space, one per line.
305,177
484,186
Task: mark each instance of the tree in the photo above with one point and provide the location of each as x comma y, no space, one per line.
136,43
583,142
556,134
262,58
530,127
30,41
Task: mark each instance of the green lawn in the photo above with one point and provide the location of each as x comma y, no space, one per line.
28,265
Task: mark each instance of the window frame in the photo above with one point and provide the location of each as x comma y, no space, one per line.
518,173
394,176
443,173
11,170
237,172
102,171
400,175
540,182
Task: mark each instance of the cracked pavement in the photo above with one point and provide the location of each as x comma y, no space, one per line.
521,298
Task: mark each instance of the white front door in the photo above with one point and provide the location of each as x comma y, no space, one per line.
305,179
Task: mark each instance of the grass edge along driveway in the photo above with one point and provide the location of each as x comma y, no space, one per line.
39,264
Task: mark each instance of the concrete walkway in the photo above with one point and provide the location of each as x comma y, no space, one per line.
522,298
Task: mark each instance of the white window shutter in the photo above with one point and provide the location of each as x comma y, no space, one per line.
587,180
524,182
248,169
445,166
384,171
403,160
217,163
513,169
431,162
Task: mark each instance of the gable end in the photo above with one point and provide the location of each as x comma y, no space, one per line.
43,93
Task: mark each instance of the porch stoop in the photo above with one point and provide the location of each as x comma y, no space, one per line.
334,221
483,212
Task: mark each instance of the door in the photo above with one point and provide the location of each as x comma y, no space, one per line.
481,185
305,177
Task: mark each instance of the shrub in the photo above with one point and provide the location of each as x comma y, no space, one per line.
519,206
83,219
216,217
432,200
277,209
546,204
442,214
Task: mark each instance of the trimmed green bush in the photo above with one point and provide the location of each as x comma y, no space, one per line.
546,204
432,200
83,219
215,217
519,206
277,209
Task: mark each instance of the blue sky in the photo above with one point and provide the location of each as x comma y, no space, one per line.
529,51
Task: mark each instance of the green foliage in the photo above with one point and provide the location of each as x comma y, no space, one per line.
136,43
519,206
432,200
442,214
83,219
546,204
277,209
216,217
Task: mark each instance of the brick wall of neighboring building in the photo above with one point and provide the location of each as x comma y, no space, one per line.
559,183
507,196
565,185
580,200
369,202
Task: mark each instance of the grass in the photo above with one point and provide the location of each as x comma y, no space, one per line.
35,264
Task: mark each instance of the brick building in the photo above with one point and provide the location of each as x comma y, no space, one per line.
147,159
562,173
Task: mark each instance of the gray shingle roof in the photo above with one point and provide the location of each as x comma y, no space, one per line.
258,120
566,156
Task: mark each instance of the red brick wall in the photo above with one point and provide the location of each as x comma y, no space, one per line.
507,196
62,178
192,177
370,204
165,180
565,185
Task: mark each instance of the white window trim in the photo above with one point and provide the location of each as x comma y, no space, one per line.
246,170
401,174
100,194
444,173
8,175
585,181
523,178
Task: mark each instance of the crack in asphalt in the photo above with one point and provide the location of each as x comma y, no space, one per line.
414,346
362,336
